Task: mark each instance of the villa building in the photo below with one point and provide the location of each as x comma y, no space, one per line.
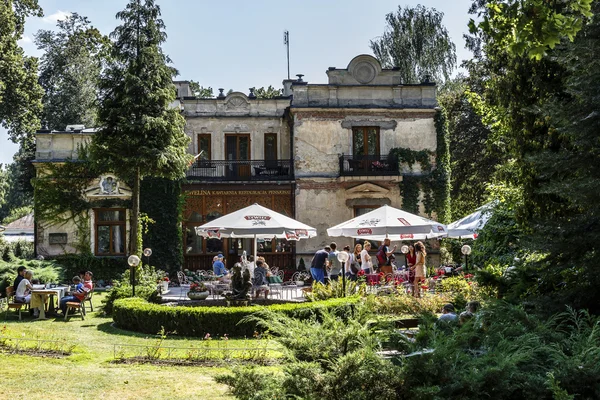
318,153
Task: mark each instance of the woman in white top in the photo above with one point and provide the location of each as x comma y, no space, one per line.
367,264
23,293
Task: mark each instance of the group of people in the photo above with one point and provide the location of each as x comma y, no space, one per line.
449,314
259,273
23,286
325,265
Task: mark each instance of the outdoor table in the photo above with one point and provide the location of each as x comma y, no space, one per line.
39,296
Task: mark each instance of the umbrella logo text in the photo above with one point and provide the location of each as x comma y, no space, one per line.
364,231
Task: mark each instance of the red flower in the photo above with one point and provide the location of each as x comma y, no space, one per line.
424,287
361,272
435,278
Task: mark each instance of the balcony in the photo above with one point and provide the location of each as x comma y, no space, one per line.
362,165
241,170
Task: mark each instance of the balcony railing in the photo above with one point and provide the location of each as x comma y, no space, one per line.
241,170
362,165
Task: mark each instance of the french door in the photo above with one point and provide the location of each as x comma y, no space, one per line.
237,151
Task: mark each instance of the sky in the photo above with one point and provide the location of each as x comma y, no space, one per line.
238,44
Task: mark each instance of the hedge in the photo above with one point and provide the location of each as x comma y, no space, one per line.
141,316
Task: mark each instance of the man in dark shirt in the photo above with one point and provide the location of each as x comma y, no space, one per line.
19,278
319,263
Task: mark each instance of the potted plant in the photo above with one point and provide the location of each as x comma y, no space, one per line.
198,291
165,284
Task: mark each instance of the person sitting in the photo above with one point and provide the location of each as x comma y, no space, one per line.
260,282
448,314
81,290
219,268
470,311
19,278
23,292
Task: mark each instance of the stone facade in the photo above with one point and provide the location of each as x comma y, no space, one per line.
317,153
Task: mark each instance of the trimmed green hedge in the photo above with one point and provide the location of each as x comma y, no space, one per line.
140,316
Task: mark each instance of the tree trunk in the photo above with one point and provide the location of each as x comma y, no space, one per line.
135,215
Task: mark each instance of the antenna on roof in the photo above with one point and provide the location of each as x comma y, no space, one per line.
286,41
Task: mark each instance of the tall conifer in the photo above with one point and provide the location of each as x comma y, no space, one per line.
141,133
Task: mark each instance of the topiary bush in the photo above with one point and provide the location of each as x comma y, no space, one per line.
141,316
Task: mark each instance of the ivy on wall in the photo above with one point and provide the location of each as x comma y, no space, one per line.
434,181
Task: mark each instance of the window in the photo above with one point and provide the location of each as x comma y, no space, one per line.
204,147
270,146
110,231
365,141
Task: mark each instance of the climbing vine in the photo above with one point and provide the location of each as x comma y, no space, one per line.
434,181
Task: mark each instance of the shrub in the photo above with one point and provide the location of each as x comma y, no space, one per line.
406,304
145,287
141,316
13,251
335,289
104,268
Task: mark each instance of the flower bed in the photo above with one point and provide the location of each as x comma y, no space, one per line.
139,315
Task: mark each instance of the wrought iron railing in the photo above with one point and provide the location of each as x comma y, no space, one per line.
241,170
365,165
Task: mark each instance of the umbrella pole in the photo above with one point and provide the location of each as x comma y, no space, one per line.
255,250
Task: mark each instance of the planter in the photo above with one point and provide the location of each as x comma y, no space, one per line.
198,295
165,286
299,283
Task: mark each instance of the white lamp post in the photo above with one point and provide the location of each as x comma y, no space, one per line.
133,262
147,252
466,250
342,258
404,249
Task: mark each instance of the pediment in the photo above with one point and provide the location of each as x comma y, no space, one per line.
367,188
106,187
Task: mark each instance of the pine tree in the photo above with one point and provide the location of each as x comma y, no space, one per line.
141,134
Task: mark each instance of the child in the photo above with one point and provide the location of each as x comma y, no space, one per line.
78,294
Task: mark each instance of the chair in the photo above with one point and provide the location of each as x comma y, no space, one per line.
11,304
88,298
75,306
183,283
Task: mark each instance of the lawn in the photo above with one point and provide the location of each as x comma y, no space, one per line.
89,373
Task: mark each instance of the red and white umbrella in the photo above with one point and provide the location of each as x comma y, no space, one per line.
256,222
389,222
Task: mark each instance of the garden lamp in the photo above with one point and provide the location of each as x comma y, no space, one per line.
342,258
466,250
133,262
404,250
147,252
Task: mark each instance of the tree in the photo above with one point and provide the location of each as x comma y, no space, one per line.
20,94
530,27
268,93
416,42
200,91
140,135
474,158
69,71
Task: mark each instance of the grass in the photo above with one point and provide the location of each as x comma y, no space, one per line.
89,373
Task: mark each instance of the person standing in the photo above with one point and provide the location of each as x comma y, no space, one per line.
419,268
386,268
335,266
365,258
318,264
352,267
411,257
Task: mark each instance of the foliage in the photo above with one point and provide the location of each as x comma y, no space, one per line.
141,134
335,289
198,287
145,288
252,383
20,93
17,213
433,183
13,198
404,304
200,91
417,43
268,93
531,27
474,158
141,316
161,200
69,71
103,268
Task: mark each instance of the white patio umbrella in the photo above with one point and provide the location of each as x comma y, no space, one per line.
256,222
469,226
389,222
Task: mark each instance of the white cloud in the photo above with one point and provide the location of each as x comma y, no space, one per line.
57,16
25,39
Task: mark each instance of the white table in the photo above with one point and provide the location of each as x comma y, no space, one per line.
39,296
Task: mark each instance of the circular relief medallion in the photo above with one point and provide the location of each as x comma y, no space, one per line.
364,72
